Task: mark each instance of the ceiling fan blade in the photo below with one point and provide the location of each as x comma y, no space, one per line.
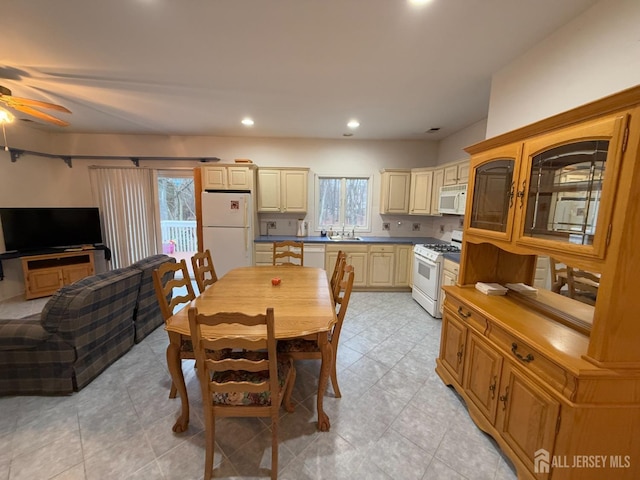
42,116
11,101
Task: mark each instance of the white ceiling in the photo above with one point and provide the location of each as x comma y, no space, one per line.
299,68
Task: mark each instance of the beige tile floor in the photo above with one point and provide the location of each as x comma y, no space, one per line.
395,420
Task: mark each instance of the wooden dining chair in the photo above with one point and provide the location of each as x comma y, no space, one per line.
308,348
338,271
282,253
558,275
247,383
203,269
583,285
173,289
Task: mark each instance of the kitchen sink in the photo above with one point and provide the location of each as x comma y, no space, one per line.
344,238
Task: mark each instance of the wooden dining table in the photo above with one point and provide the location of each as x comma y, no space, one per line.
302,305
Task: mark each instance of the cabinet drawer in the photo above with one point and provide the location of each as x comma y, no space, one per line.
529,358
263,247
381,249
466,315
452,267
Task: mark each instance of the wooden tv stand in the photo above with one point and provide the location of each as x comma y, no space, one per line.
45,274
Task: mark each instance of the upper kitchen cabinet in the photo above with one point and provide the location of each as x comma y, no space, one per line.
227,177
551,191
438,181
282,190
395,190
421,188
456,174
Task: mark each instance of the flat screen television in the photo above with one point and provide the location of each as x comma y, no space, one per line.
28,229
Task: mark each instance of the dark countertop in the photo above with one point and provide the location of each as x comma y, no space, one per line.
454,257
365,240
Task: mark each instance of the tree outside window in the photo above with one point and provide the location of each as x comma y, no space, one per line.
343,201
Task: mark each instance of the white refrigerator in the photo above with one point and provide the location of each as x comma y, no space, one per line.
227,229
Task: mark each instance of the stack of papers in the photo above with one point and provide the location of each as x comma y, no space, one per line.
523,289
491,288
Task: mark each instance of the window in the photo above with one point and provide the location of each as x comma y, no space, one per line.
343,201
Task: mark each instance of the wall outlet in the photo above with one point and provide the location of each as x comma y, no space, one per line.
386,226
461,222
441,228
271,224
415,227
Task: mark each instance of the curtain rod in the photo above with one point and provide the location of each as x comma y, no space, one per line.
17,153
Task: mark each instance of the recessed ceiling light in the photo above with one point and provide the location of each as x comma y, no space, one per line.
433,130
347,134
353,124
247,122
419,3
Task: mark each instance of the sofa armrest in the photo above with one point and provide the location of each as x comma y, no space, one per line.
22,333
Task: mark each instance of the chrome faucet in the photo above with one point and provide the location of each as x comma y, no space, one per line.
343,229
353,231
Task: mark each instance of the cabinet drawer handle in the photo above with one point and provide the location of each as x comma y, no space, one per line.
492,387
460,352
504,398
514,350
462,314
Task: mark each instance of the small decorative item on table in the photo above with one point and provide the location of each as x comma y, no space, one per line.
275,281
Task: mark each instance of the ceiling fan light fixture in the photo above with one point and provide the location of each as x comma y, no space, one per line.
5,116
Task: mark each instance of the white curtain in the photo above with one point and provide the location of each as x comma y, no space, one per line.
126,198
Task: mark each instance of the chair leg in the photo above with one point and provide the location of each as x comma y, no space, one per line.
173,390
210,433
274,449
288,406
334,380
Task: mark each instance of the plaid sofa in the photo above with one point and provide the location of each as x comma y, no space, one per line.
82,330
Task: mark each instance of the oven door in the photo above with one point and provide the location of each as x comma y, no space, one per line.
426,284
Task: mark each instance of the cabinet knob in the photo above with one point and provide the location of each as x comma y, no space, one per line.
504,398
492,387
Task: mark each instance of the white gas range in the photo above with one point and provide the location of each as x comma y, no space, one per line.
427,272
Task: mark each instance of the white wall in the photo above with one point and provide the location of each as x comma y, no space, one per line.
593,56
451,149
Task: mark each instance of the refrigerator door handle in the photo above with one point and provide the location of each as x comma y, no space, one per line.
246,226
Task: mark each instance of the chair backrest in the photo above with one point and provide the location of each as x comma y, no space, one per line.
173,286
342,300
558,275
338,270
203,269
227,383
283,253
583,285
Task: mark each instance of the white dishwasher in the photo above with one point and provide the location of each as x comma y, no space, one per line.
314,255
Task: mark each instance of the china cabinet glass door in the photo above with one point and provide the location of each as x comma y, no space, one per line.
567,187
493,183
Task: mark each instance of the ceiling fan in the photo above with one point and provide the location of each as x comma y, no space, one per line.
27,106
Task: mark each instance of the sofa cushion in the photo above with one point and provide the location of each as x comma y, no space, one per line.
22,333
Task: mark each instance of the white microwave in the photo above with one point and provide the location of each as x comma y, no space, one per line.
453,199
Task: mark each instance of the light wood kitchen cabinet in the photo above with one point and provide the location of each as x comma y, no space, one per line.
356,255
449,277
45,274
566,374
421,188
227,177
395,191
438,181
381,265
282,190
263,253
404,265
456,174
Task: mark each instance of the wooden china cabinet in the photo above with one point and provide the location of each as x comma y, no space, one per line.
556,382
